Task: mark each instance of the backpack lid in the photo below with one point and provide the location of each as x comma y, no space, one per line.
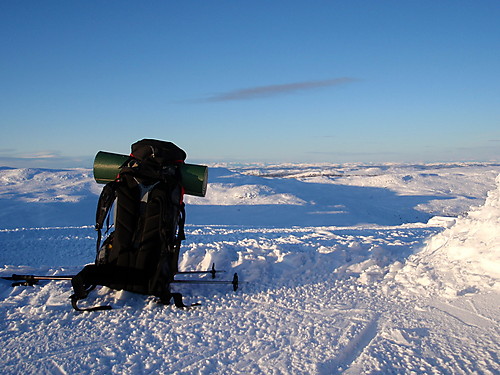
162,152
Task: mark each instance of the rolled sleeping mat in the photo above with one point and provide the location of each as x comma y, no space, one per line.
194,177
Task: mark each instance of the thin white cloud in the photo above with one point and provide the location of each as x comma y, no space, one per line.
43,160
39,155
275,90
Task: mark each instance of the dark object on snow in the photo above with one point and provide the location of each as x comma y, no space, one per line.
32,280
141,255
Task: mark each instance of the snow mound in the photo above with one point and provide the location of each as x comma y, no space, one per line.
463,259
34,185
232,195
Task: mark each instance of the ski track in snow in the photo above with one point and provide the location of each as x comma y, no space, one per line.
375,296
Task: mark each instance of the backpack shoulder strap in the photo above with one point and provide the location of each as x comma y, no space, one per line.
106,199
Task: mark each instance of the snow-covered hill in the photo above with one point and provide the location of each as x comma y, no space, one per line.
272,196
389,269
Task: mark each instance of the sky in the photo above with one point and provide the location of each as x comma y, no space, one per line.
250,81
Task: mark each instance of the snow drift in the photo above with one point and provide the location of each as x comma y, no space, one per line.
463,259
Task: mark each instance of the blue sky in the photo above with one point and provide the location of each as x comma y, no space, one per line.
250,81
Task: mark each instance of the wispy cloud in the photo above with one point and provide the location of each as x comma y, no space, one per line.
275,90
44,159
40,155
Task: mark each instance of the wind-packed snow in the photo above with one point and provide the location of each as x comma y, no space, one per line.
354,269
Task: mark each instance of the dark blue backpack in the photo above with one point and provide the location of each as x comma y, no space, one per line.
141,253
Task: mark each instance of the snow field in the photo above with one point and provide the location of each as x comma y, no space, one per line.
370,286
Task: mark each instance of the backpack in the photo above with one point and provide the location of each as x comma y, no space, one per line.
141,254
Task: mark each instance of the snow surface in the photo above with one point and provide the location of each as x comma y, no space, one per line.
354,269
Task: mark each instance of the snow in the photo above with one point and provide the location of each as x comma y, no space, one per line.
354,269
463,259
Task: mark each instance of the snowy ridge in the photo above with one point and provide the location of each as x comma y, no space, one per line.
344,275
321,195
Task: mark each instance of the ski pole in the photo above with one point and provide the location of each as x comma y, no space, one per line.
234,282
30,280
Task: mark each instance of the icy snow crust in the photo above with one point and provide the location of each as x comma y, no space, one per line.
389,269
